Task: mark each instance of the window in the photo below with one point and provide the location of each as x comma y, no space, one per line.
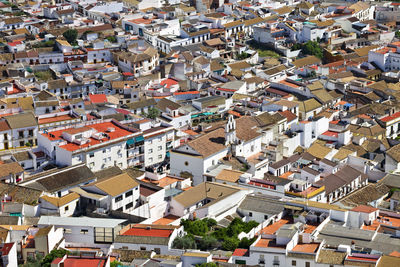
265,217
67,231
118,198
307,264
104,151
150,159
186,163
293,263
159,148
157,250
66,208
91,155
129,193
159,156
142,248
250,214
84,231
150,150
129,205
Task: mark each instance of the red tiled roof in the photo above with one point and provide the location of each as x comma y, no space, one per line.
99,98
271,229
288,114
187,93
148,232
226,89
331,133
395,254
391,117
78,262
240,252
234,113
14,43
169,82
307,248
360,258
6,249
364,208
99,127
55,119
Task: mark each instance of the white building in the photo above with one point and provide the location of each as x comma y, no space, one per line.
97,144
237,137
84,230
123,197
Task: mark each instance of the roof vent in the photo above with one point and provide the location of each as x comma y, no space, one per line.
148,227
110,129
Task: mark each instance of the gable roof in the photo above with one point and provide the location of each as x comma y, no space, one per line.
21,120
61,201
60,179
206,190
116,185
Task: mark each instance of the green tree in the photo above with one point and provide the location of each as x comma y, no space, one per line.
184,242
55,253
198,227
230,243
210,222
71,35
246,243
208,242
243,55
152,113
112,39
115,264
397,34
312,48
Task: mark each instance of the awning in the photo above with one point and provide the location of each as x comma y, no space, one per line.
130,142
139,139
167,154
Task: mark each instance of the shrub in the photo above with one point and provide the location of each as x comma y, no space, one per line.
230,243
184,242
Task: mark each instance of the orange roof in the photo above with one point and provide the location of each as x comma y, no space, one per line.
163,182
141,21
99,98
234,113
286,175
384,220
190,132
55,119
364,209
166,220
271,229
307,248
187,93
169,82
99,127
268,242
139,231
309,228
395,254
